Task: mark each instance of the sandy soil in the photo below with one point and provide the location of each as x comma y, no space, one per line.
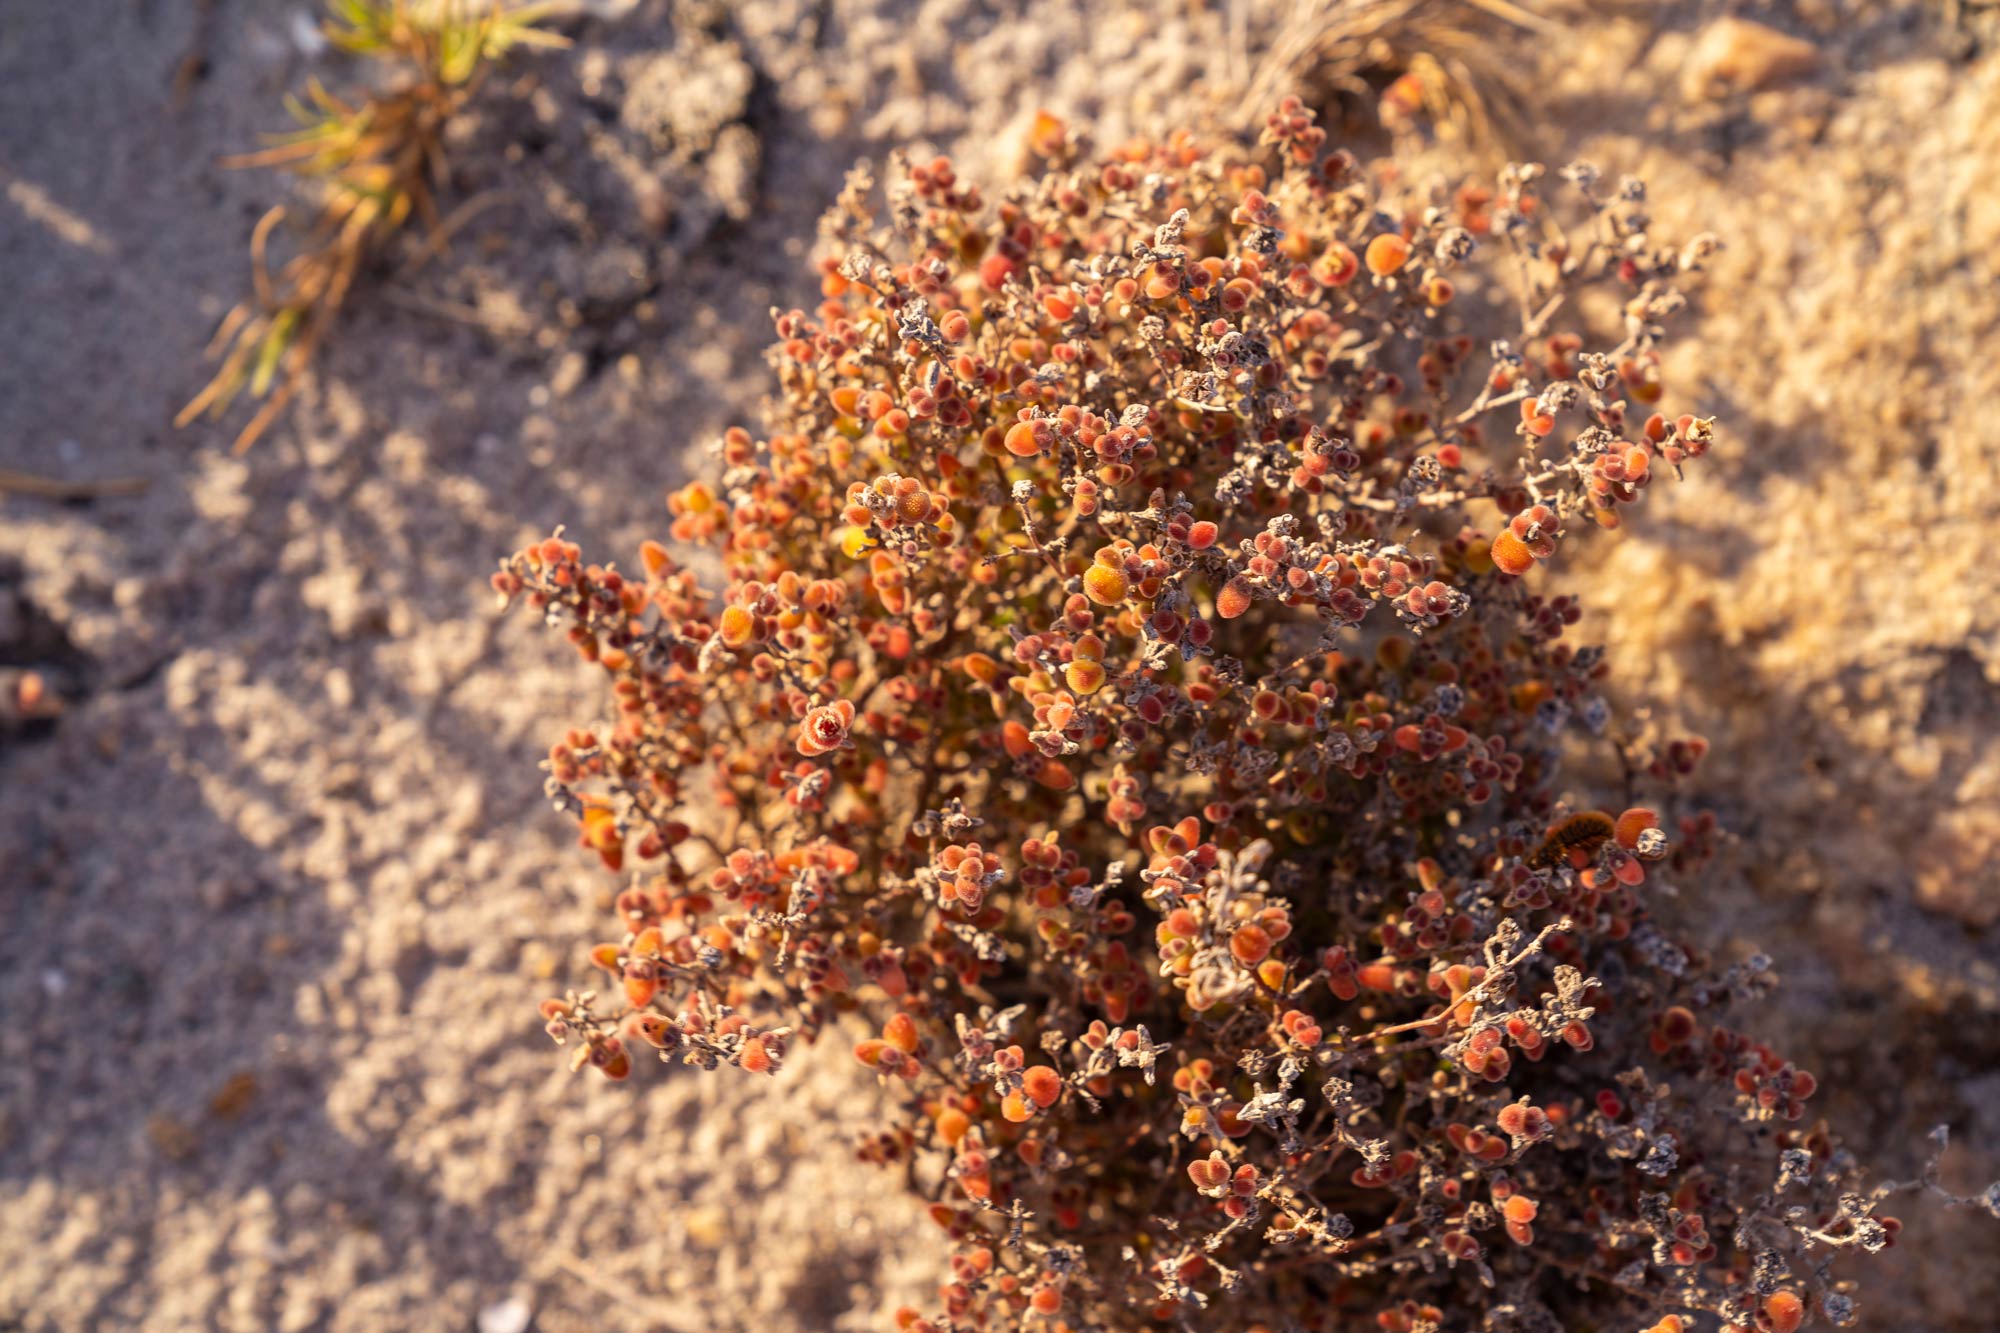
279,889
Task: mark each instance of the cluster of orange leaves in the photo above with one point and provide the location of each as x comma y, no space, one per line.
1126,698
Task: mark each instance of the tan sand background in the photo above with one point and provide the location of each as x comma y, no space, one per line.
278,893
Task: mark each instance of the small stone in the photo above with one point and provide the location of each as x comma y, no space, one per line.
707,1227
233,1098
171,1139
569,373
509,1316
1735,55
306,34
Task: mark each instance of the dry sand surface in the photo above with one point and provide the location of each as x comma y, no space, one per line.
278,892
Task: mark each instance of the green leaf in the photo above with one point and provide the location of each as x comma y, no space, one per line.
275,343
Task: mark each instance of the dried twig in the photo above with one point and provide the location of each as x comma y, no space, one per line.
15,482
